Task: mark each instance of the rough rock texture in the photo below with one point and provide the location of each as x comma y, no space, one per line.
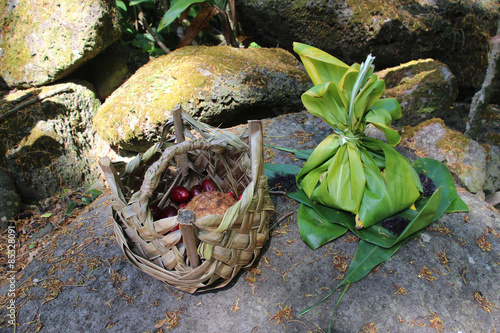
425,89
454,32
456,118
439,282
108,74
490,126
47,144
465,158
42,41
10,200
216,84
492,182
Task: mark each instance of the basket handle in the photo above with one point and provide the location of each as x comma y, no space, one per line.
154,172
256,151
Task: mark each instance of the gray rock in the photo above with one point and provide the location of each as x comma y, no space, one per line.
51,141
425,89
465,158
45,41
109,72
10,200
101,291
395,32
490,126
492,182
218,85
493,199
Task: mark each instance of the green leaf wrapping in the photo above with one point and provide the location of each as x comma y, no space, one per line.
343,182
376,234
442,178
347,170
386,195
326,101
348,177
315,230
320,66
355,182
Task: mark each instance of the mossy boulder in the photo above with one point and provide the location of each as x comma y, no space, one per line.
395,32
490,126
48,144
218,85
492,183
425,89
42,41
465,158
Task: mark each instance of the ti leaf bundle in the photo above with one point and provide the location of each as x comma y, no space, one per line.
354,183
348,170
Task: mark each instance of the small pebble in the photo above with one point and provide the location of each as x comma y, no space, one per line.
426,238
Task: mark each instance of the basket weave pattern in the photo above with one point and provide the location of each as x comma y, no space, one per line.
225,243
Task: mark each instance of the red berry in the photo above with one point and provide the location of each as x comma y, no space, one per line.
195,190
179,194
209,185
183,205
168,211
239,198
155,212
230,194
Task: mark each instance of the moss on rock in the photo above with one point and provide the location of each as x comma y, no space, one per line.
424,88
48,144
43,41
455,32
465,158
219,85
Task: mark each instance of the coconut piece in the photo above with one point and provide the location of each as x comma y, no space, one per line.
210,203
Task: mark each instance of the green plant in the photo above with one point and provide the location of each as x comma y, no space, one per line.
156,26
210,9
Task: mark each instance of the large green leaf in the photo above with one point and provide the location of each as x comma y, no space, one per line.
137,2
314,230
300,153
367,97
326,101
177,7
323,152
383,198
285,169
376,234
428,209
332,215
312,179
381,119
347,84
321,66
442,177
419,219
368,256
344,181
391,105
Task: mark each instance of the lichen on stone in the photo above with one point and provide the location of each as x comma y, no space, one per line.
424,88
44,40
209,82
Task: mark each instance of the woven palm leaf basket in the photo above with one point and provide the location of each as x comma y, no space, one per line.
207,252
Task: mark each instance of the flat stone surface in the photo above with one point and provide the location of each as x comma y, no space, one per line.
81,282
